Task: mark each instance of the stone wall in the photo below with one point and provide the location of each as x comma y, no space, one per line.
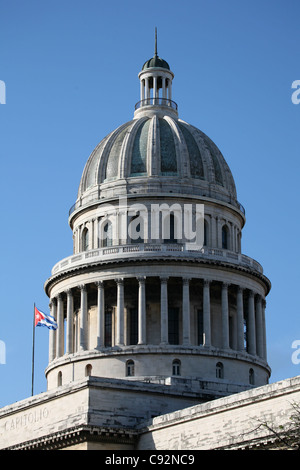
117,414
231,422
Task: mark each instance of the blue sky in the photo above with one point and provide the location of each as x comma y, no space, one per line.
71,74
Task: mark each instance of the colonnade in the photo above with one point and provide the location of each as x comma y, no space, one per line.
156,82
249,324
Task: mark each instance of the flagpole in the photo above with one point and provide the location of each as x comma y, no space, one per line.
33,341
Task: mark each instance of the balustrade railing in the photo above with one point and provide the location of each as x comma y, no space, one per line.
156,102
154,249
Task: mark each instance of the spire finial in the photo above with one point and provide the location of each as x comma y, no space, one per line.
155,51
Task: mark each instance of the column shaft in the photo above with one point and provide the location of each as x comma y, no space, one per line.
70,319
60,327
251,325
147,95
155,89
264,329
83,318
164,310
225,317
142,312
186,316
120,312
164,87
52,333
206,314
240,320
259,327
100,315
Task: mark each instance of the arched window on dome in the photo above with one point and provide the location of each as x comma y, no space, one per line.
85,239
130,368
176,367
219,370
88,370
136,229
251,376
225,237
106,238
59,379
171,229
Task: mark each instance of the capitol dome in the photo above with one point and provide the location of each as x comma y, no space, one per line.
169,151
156,151
138,300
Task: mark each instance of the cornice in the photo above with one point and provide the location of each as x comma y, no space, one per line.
93,266
76,435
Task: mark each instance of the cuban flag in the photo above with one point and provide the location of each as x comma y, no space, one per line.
41,319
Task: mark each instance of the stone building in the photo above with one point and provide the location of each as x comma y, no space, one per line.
158,309
138,298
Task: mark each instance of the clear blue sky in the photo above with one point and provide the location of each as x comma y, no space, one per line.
71,74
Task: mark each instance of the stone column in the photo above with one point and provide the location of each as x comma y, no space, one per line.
60,327
52,333
259,327
70,319
164,87
206,314
142,311
240,319
83,318
225,317
264,329
147,89
186,316
120,312
251,325
155,89
100,315
170,89
164,310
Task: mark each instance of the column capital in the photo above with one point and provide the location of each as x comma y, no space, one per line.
164,279
120,281
206,282
59,296
251,294
69,292
99,284
240,289
141,279
186,280
225,285
82,287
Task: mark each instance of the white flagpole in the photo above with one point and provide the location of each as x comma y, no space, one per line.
33,341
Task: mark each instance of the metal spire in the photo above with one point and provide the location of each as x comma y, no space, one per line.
155,51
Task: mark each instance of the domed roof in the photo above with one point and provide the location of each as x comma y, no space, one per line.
149,153
156,152
156,62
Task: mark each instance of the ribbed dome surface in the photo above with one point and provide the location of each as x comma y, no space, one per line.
160,147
